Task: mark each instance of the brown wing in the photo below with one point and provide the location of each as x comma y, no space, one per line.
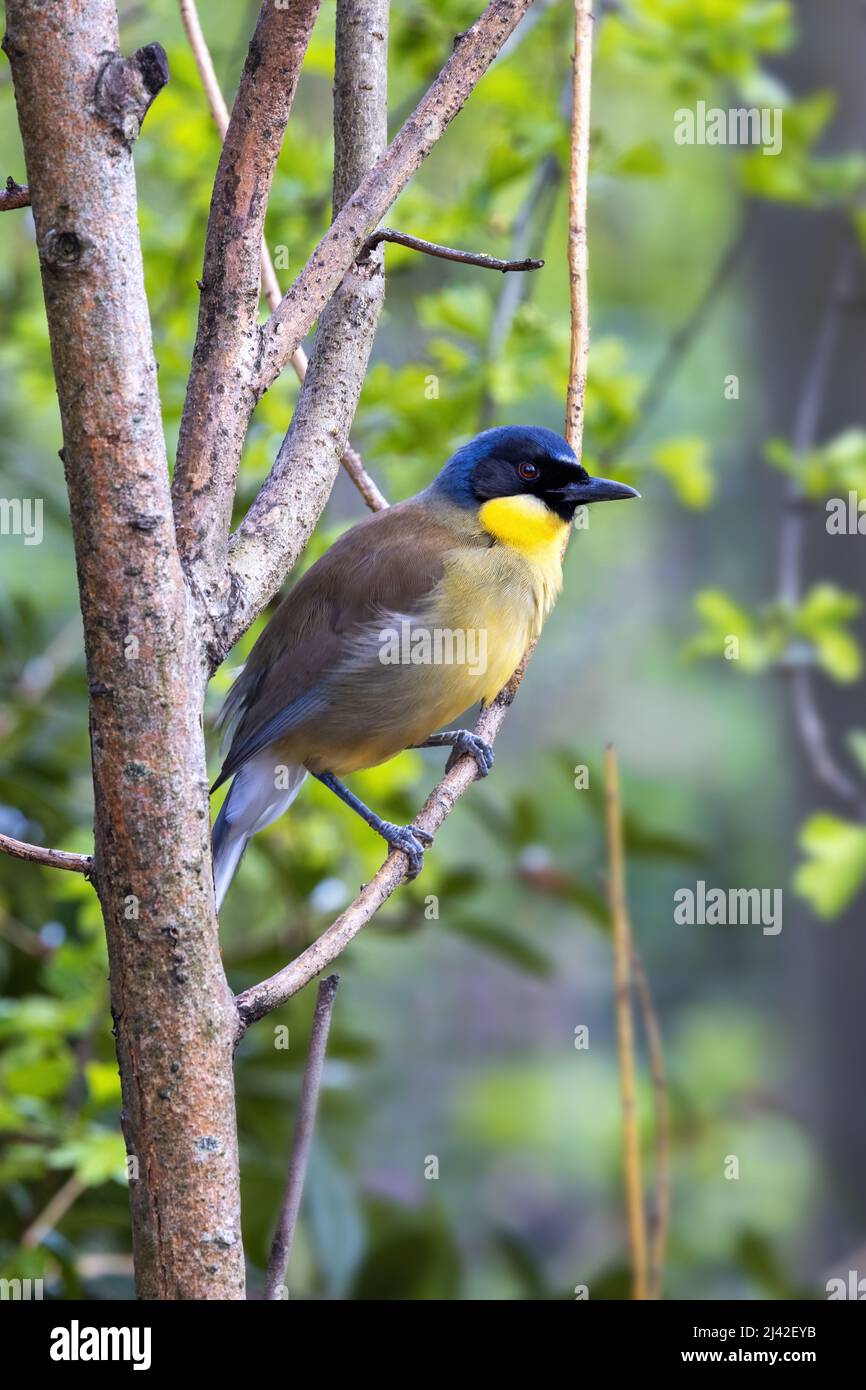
390,561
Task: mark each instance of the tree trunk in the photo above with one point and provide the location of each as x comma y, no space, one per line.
80,106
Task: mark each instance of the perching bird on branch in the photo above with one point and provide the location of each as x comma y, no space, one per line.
413,615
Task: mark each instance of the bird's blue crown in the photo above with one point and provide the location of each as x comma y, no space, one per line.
512,442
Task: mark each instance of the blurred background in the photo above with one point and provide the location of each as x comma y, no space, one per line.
726,382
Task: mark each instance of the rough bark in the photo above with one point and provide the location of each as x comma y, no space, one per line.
219,398
279,524
79,104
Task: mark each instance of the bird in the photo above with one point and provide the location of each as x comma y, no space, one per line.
413,615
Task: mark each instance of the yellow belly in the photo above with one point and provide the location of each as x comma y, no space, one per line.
495,598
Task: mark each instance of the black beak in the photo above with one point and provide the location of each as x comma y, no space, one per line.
596,490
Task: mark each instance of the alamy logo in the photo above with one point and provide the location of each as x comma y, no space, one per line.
702,906
851,1288
744,125
22,516
77,1343
21,1289
411,645
846,516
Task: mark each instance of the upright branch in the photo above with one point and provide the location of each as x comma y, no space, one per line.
80,104
305,1125
352,461
661,1208
578,196
279,523
622,957
219,399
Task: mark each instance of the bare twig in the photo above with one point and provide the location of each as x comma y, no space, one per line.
256,1002
14,195
50,858
811,730
578,191
54,1212
815,741
444,253
662,1202
305,1125
807,423
352,461
622,954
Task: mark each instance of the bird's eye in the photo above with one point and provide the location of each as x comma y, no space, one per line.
529,472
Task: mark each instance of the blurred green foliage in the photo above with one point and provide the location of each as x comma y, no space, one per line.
453,1032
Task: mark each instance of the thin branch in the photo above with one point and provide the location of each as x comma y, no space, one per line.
218,402
260,999
352,461
14,195
444,253
662,1201
54,1212
50,858
305,1125
578,194
811,730
815,741
622,954
807,423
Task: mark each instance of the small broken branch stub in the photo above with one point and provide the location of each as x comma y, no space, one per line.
126,87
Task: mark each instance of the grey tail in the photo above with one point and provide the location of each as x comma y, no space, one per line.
261,791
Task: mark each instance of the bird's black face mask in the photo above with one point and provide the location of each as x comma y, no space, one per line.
561,483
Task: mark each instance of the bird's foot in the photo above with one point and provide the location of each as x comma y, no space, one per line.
480,749
410,840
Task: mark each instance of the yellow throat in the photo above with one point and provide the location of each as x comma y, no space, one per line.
526,524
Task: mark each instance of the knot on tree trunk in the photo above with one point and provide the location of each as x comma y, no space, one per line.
64,248
126,87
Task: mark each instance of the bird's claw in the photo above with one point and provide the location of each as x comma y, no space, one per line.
478,748
411,841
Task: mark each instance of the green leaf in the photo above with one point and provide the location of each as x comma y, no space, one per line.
97,1156
835,867
685,464
820,619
